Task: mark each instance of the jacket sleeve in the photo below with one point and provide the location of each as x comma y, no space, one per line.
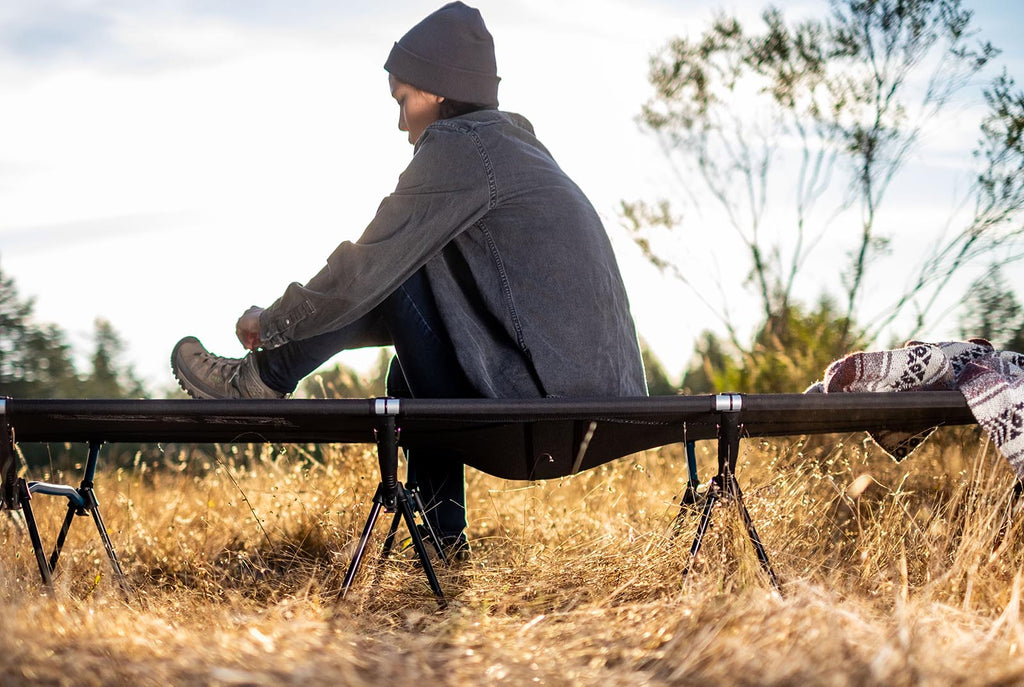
444,190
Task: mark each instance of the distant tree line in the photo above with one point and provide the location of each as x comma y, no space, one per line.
36,360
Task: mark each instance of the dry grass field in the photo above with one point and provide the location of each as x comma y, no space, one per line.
891,575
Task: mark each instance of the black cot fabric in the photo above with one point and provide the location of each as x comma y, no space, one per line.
511,439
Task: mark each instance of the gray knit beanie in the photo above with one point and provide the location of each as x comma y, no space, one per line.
451,54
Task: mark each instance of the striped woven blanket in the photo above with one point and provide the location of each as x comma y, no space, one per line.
992,382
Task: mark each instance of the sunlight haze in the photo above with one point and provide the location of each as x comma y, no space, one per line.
166,165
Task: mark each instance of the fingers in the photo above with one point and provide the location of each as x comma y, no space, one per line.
247,329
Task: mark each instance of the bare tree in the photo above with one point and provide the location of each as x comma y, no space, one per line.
821,116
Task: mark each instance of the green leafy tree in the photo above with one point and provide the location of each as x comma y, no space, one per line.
716,366
784,358
812,122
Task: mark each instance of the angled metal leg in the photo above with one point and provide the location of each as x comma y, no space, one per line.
404,510
15,494
413,493
109,547
721,484
394,497
712,496
62,535
421,547
418,509
81,501
91,504
690,497
724,484
25,498
357,558
762,555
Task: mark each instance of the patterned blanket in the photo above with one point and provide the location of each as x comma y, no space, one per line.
992,382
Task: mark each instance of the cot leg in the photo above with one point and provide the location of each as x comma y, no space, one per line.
714,492
404,510
725,484
421,548
412,494
24,499
62,535
762,555
419,507
109,547
394,497
690,496
357,558
82,501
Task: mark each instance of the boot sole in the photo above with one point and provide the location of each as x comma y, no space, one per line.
187,385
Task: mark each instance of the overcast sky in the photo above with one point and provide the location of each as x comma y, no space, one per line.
166,164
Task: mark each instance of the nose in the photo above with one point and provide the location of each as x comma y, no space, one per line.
401,121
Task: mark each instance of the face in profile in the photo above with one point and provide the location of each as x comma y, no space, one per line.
417,109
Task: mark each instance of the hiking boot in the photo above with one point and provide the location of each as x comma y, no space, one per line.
205,375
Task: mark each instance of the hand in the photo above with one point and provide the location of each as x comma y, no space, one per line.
247,329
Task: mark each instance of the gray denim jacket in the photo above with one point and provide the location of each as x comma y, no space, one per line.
519,263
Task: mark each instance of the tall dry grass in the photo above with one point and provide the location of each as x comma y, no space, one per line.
891,574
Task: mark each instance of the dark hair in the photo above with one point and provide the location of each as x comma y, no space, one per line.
455,108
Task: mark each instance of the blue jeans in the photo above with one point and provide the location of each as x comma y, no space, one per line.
425,367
